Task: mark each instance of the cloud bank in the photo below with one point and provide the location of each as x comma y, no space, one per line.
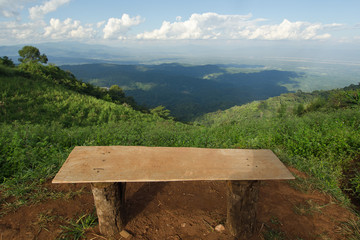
216,26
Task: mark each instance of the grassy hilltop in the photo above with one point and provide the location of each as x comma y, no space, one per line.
45,112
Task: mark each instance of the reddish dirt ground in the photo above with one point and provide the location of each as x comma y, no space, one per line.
186,210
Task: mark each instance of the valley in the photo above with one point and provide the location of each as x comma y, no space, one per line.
188,91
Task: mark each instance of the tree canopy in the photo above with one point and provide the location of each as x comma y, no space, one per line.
31,54
161,111
6,61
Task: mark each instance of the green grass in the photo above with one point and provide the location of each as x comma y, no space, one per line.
322,141
272,230
76,229
43,220
308,208
273,234
308,185
351,229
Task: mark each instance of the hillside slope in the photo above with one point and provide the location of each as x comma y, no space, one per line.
38,100
44,117
318,133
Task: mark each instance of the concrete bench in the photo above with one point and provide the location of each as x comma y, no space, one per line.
109,168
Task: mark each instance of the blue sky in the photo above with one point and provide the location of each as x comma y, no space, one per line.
254,23
159,10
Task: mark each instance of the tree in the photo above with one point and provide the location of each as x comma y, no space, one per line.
31,54
116,92
6,61
161,111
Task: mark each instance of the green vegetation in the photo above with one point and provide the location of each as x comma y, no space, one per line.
6,61
308,208
45,112
323,139
272,230
43,220
351,228
75,230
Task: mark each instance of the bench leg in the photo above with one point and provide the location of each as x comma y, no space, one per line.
242,197
109,201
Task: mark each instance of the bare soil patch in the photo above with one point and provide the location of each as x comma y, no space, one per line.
185,210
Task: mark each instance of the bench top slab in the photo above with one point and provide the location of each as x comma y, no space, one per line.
152,164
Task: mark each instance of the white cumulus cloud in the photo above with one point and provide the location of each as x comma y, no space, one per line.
68,29
116,28
216,26
39,11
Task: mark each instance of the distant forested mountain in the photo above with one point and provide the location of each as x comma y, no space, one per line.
188,91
